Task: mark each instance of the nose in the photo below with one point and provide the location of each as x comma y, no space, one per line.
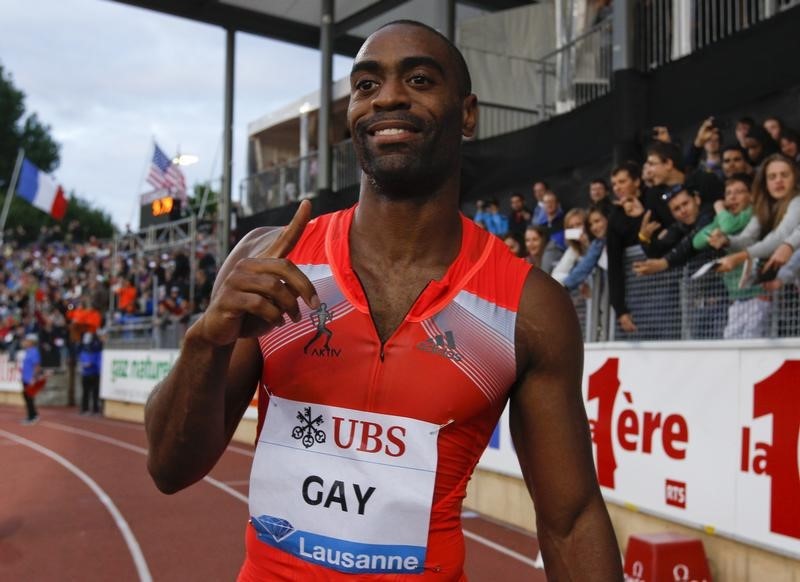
393,94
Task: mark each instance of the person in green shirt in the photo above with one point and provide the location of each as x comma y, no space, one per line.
747,313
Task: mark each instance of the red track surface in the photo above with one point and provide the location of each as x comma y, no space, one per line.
76,503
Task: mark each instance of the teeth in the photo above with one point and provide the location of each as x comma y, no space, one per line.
391,131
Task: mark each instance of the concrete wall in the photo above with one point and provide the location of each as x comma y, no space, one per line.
506,499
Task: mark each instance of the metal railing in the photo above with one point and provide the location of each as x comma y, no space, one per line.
672,305
670,29
297,179
576,73
495,119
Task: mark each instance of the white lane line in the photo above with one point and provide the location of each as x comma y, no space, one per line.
499,548
122,525
241,497
237,483
136,449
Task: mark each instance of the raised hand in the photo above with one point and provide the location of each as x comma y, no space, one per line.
258,291
648,227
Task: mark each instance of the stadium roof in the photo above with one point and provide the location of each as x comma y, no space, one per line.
296,21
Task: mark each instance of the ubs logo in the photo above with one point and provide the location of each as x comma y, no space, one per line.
307,432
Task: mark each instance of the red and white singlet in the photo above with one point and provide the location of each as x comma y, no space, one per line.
365,450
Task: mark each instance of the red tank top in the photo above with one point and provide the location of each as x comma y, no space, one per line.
450,363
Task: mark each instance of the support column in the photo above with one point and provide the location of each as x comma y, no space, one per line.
629,86
224,206
450,20
326,32
304,187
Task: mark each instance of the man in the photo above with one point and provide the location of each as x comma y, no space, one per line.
666,164
704,152
31,376
407,382
520,217
734,162
598,192
622,234
491,218
672,246
553,219
539,189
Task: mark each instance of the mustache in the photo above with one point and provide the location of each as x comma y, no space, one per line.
362,125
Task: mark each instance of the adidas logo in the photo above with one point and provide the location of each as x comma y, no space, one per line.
442,345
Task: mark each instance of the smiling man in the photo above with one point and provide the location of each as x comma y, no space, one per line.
367,439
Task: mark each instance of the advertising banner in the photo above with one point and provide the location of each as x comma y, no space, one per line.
10,379
130,375
706,436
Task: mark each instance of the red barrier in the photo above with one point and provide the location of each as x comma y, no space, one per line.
665,557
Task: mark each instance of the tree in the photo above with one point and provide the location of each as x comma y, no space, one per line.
28,133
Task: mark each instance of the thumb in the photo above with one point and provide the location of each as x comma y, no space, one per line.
290,234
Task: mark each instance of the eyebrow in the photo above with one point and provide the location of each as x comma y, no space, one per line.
406,64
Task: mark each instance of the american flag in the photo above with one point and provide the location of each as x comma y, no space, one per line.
165,175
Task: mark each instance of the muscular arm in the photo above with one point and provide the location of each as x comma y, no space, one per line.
551,436
191,416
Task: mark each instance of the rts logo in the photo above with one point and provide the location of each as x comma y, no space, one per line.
675,493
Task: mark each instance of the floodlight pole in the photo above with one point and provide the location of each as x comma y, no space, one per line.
326,32
224,208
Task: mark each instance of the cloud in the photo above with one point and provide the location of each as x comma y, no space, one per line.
110,78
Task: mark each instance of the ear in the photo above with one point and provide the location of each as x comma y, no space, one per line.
469,115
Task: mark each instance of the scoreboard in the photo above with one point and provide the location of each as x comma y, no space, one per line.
158,207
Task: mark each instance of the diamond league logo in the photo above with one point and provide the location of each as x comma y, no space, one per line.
277,527
307,432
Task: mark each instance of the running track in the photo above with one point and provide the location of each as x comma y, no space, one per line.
76,503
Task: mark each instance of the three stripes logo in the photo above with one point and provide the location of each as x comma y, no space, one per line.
442,345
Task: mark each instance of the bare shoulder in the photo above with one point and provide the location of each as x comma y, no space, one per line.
547,332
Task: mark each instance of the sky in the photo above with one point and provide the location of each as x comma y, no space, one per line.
110,78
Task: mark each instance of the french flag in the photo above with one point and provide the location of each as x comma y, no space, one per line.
41,190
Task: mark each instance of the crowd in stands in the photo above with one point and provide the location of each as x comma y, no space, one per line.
62,289
728,203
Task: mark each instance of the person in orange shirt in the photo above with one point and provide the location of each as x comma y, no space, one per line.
126,297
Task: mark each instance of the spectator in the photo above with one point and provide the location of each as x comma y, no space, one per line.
672,246
489,215
519,218
790,144
704,152
743,127
759,145
774,127
90,359
666,163
775,220
577,243
622,234
597,227
513,245
599,195
552,219
734,162
748,310
126,296
542,252
539,188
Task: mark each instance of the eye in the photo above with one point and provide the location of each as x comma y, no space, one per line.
419,79
365,85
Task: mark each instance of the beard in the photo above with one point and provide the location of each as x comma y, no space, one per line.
407,170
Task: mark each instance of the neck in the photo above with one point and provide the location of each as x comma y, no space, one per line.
406,230
676,177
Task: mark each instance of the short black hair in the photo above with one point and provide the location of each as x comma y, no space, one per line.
462,70
634,170
743,178
667,151
732,148
600,181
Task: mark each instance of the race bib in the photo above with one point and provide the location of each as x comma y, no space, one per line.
344,489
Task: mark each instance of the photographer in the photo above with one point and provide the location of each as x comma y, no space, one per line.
704,152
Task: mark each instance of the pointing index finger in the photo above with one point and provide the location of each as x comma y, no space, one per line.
290,234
